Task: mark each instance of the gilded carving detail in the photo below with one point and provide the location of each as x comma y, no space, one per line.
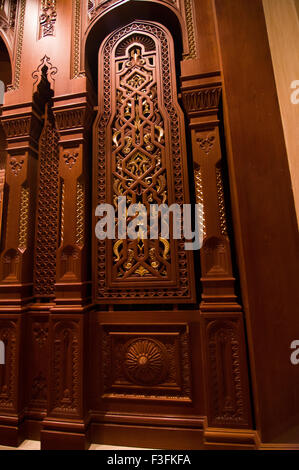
221,203
199,199
24,213
80,214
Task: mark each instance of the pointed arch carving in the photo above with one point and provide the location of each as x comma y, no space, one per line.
140,153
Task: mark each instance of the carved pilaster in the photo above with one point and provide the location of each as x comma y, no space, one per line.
224,356
73,124
22,132
201,102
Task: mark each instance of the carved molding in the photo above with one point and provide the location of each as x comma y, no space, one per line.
73,118
27,126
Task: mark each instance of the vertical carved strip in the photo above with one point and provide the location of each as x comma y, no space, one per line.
190,30
80,214
76,54
24,212
221,203
20,36
2,186
199,199
62,203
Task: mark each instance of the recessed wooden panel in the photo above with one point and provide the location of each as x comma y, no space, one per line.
146,362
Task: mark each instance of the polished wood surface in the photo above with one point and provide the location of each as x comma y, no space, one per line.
105,340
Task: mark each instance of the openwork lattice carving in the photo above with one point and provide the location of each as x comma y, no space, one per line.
47,17
146,160
47,211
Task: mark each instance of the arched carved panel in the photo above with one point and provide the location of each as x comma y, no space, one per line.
141,155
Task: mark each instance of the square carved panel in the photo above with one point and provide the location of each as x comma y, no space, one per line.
146,361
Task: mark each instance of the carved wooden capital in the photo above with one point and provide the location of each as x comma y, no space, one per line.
26,126
75,118
201,100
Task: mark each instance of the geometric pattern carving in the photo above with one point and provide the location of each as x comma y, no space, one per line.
190,30
141,145
47,211
227,404
146,362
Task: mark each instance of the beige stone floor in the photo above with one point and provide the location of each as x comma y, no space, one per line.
35,445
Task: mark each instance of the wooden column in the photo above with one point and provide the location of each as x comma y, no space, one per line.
66,423
224,354
16,272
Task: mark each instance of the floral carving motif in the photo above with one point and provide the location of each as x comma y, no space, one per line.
40,334
16,165
70,159
206,143
145,361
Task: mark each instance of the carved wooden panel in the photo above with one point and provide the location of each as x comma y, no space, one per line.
225,362
37,368
9,370
66,375
47,211
146,362
141,155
